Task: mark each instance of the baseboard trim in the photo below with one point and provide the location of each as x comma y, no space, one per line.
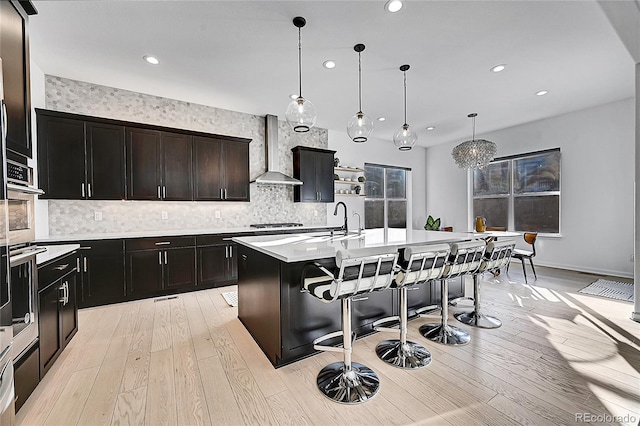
595,271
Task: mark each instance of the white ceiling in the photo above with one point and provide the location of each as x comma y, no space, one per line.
242,56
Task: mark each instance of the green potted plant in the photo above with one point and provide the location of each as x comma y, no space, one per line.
361,179
432,224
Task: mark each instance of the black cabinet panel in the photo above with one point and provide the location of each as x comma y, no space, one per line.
69,311
14,51
314,167
105,161
236,171
212,265
50,326
61,158
143,164
367,308
144,273
207,163
27,375
177,167
180,268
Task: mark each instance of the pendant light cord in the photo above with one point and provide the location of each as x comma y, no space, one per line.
405,97
299,62
359,84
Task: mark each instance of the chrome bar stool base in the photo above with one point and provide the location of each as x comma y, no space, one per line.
445,334
408,355
356,386
478,319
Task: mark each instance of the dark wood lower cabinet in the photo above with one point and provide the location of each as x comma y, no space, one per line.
57,308
26,375
102,277
217,265
155,272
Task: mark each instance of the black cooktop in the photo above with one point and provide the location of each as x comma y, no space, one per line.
274,225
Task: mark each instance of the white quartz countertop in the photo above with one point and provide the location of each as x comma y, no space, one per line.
171,233
54,252
319,245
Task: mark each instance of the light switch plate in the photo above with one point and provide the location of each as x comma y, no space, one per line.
97,215
165,215
217,214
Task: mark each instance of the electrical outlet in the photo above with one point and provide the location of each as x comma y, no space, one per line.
97,215
165,215
217,214
315,213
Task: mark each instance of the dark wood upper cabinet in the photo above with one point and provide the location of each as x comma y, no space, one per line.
314,167
143,164
221,169
61,158
79,160
105,161
177,166
82,157
14,51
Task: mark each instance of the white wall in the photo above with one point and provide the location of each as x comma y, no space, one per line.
379,152
597,204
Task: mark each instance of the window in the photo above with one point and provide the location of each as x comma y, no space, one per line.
385,205
520,192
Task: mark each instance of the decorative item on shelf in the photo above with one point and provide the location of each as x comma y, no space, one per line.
474,154
481,224
336,162
336,176
360,126
357,188
432,224
300,114
404,139
361,178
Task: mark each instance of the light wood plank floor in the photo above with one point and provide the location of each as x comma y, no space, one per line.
189,360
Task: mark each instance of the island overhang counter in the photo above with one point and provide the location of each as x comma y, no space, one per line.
284,321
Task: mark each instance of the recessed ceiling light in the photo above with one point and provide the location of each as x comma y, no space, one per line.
430,128
541,92
151,59
498,68
293,96
329,64
381,118
393,6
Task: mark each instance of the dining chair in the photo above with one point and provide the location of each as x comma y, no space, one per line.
529,238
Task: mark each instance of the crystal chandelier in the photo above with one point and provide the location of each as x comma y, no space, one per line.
405,138
360,126
300,114
476,153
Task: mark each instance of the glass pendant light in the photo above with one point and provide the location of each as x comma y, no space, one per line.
405,138
360,126
474,154
300,114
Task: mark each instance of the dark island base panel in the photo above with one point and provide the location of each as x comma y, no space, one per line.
284,321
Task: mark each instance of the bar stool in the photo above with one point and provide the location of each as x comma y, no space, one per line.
418,265
357,271
497,255
465,258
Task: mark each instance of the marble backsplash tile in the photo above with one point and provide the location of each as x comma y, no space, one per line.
269,203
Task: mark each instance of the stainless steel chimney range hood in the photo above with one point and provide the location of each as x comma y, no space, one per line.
273,175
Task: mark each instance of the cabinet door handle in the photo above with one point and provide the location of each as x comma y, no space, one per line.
159,196
164,191
66,292
225,193
165,257
319,195
89,190
82,186
163,243
221,196
359,299
159,258
226,252
85,264
230,251
78,264
5,125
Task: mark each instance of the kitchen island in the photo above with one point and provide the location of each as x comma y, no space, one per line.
284,321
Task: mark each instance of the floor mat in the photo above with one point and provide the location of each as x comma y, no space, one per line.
231,298
611,289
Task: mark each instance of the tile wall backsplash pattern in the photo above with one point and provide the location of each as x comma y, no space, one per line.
269,203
